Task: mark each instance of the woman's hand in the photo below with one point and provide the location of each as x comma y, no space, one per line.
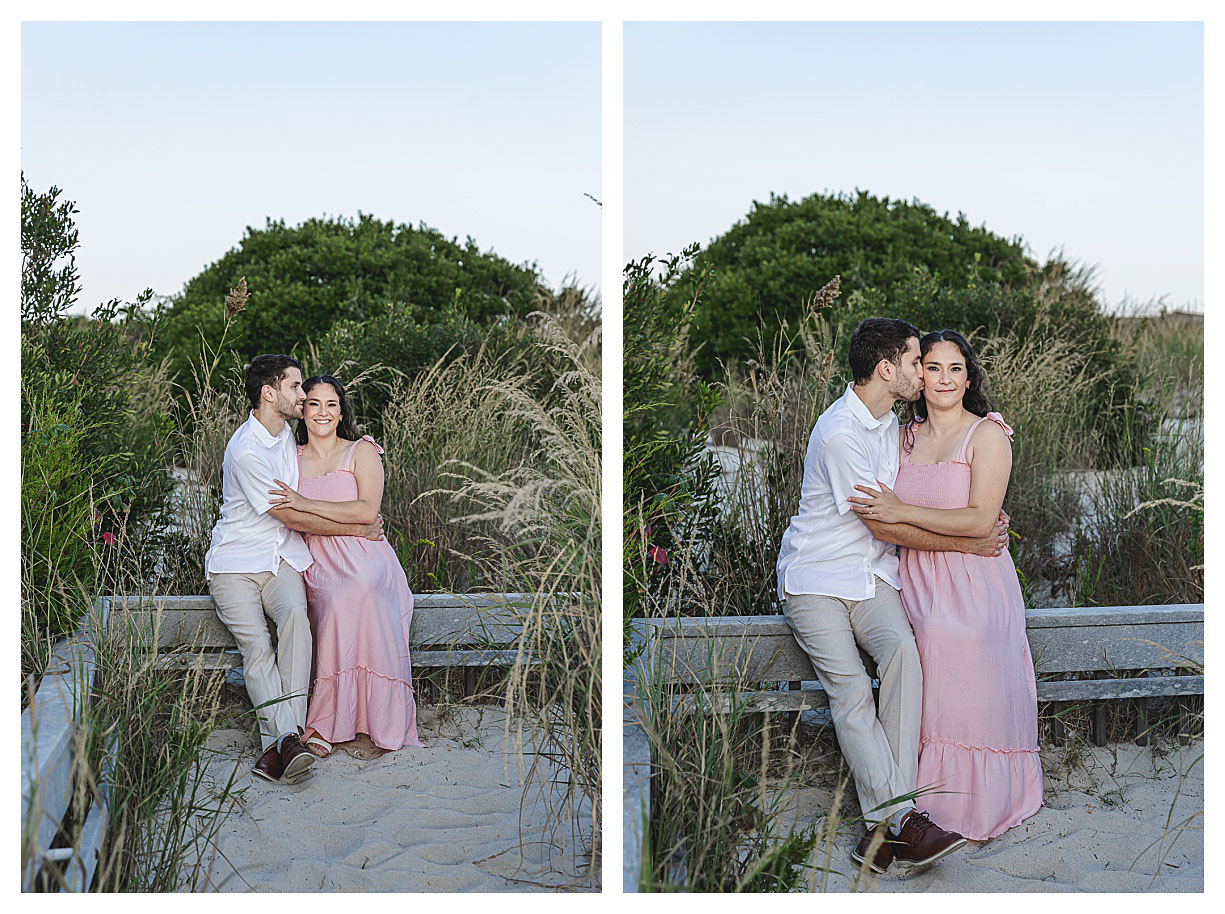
882,506
288,498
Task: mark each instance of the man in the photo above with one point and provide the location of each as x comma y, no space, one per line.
254,566
839,578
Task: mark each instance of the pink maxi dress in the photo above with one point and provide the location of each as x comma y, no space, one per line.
979,735
360,609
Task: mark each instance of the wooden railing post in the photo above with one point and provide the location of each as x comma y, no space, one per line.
1098,724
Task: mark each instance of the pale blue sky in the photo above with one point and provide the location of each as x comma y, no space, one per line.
173,137
1087,136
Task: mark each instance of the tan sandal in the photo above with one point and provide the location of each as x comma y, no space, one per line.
318,746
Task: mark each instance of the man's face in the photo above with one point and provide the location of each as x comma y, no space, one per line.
289,397
907,381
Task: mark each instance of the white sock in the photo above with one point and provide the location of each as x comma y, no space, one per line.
895,820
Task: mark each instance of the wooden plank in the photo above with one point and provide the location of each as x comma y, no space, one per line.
762,648
434,659
46,743
80,872
1090,648
1075,616
636,784
438,619
1143,687
1074,690
459,657
421,600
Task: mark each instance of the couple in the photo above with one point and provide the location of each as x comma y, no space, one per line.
300,540
958,716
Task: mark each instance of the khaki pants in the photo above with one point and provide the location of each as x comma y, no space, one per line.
880,747
277,681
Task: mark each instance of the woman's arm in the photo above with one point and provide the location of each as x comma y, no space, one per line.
368,470
991,465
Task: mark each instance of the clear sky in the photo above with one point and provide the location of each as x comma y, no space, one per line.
174,137
1086,136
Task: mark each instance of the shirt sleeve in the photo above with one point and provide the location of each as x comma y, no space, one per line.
255,478
846,464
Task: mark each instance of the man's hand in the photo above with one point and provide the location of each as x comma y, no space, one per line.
374,531
993,544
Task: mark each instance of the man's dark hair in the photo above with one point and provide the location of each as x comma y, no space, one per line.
878,338
267,369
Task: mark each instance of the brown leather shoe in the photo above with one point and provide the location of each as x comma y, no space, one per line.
269,767
295,757
921,842
882,856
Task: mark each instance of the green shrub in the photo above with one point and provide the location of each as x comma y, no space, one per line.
94,399
668,483
762,272
305,278
59,530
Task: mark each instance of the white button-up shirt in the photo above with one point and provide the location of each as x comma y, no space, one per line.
827,549
247,539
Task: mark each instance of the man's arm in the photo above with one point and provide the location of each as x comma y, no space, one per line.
917,538
313,523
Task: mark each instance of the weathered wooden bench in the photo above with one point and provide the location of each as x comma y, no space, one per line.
467,631
750,651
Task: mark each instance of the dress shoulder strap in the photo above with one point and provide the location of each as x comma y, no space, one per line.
994,417
348,464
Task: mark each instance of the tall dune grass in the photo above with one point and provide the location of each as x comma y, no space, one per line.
138,740
537,524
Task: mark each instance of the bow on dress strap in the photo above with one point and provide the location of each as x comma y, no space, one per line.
380,450
998,419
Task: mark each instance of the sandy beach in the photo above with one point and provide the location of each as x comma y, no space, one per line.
446,818
1101,830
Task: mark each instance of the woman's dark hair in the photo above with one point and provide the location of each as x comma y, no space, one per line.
975,399
347,428
878,338
266,370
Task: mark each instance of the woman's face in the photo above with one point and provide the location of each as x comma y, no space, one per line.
944,376
321,411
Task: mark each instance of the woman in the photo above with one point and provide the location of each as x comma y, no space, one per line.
358,598
978,744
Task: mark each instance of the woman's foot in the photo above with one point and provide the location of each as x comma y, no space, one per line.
316,744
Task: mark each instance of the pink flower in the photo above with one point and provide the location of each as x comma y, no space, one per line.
646,531
97,516
658,554
109,538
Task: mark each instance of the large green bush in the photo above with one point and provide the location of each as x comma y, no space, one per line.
767,266
904,260
304,279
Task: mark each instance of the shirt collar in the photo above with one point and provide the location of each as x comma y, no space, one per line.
262,434
861,412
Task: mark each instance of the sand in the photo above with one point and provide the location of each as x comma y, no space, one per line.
1100,830
445,818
